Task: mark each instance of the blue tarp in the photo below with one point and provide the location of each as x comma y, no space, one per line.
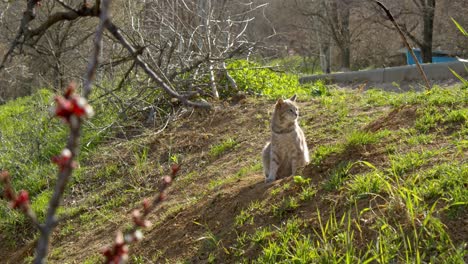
437,57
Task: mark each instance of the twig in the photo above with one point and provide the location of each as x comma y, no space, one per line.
229,77
118,252
28,15
115,31
25,33
405,41
20,201
66,159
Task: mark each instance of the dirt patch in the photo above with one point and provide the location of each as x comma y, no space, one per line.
401,117
198,220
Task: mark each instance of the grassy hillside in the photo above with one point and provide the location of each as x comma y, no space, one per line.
387,184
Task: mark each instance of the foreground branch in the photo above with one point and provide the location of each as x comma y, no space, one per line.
405,41
72,115
118,252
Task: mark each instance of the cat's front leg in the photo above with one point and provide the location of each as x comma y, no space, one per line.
294,165
274,165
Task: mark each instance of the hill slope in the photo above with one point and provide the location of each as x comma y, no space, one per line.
387,182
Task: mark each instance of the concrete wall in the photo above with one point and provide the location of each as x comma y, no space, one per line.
403,75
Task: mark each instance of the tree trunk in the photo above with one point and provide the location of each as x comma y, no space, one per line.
345,57
428,16
325,57
345,10
324,48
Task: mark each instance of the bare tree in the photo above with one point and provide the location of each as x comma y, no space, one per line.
426,10
331,21
176,43
416,19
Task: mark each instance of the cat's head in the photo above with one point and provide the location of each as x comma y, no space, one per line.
287,109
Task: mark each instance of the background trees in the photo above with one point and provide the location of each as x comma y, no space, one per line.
186,42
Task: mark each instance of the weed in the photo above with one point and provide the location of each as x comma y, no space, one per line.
95,258
429,119
106,172
219,149
212,242
40,204
446,181
138,259
243,217
256,80
307,193
404,163
301,181
457,116
319,88
67,229
361,138
413,138
323,151
338,176
367,183
261,235
287,205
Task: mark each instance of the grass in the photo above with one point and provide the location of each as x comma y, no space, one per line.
224,146
323,151
361,138
403,163
366,184
396,204
338,176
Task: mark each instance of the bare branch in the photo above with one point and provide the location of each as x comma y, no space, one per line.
115,31
28,16
403,38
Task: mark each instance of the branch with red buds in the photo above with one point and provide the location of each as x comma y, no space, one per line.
18,201
72,104
72,108
118,252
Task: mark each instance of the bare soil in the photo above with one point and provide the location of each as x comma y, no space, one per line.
186,234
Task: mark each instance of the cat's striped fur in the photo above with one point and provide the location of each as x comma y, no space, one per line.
287,149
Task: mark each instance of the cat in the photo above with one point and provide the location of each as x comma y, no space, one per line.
287,149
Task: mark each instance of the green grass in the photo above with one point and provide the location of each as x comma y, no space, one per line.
224,146
402,164
323,151
31,136
251,77
338,176
361,138
345,211
366,184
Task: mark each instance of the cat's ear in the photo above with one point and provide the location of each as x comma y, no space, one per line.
279,102
293,98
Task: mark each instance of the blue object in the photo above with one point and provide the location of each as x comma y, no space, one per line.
437,56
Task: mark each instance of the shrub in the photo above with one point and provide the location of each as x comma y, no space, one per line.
252,78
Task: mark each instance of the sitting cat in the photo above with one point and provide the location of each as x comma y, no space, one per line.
287,149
